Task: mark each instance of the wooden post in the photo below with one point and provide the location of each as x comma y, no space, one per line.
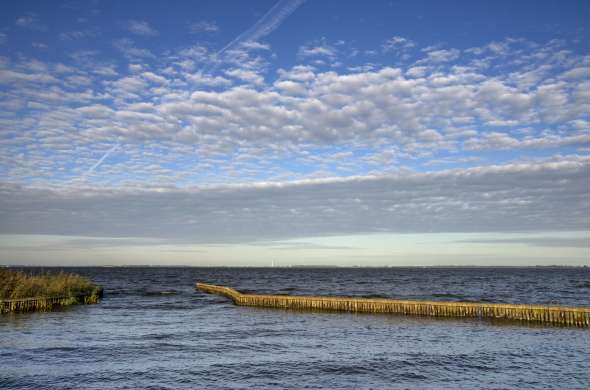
543,314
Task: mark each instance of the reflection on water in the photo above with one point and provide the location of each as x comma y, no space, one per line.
153,330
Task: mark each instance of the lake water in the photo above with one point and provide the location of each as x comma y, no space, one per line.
154,331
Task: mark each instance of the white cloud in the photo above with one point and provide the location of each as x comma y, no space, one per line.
129,86
298,73
30,21
203,26
127,47
216,81
9,76
105,71
246,75
577,73
321,53
141,27
291,87
39,45
254,45
198,53
310,51
397,43
77,35
154,78
442,55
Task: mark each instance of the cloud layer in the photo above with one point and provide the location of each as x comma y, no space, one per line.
305,121
546,195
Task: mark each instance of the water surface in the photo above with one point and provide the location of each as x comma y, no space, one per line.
153,330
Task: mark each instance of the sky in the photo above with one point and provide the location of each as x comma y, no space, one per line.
238,133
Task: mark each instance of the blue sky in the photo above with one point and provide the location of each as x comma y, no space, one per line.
223,132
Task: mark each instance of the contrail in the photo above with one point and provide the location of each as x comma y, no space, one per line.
264,26
97,164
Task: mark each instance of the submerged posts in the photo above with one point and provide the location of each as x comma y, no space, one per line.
21,291
542,314
48,303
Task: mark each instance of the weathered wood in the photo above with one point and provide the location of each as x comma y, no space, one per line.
541,314
48,303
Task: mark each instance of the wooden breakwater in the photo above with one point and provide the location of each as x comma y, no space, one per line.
48,303
540,314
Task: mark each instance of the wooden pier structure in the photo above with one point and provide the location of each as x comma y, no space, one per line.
48,303
540,314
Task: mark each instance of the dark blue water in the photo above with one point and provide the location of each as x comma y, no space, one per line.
154,331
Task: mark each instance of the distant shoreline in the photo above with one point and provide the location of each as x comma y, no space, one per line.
300,266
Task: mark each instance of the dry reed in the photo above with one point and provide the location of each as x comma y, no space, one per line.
25,292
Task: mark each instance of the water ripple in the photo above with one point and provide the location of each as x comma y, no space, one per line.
154,331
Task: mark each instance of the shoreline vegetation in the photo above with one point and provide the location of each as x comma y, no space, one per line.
21,292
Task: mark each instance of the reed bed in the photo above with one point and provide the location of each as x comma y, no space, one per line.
25,292
540,314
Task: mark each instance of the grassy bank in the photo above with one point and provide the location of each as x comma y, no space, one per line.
26,292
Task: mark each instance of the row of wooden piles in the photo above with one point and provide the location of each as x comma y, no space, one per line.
47,303
541,314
